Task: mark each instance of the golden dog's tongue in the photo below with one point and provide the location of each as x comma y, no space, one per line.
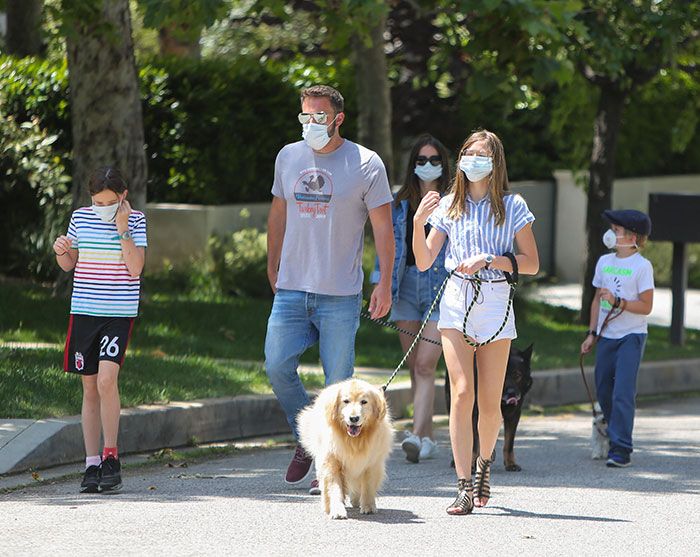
353,430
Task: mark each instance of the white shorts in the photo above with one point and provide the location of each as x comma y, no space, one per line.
487,313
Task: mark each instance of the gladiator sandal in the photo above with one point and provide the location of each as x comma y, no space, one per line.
482,488
463,504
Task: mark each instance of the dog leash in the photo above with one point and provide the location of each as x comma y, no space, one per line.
608,318
511,278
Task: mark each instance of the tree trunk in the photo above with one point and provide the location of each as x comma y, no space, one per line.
106,113
373,95
23,36
602,174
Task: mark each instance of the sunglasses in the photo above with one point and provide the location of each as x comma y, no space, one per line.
318,117
435,160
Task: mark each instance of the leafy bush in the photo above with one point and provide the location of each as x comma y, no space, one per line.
240,263
34,197
213,129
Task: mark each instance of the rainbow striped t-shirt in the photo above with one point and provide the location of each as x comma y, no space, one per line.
102,285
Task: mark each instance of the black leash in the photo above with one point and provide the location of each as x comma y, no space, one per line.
511,278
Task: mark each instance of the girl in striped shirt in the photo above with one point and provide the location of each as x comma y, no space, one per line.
479,219
106,246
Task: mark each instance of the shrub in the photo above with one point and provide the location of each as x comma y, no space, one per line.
240,263
34,197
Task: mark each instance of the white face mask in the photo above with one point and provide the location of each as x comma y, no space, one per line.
428,172
316,135
610,240
476,168
107,213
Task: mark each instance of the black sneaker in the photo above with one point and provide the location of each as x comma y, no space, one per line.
91,480
111,478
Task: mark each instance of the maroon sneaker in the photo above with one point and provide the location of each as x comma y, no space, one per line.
315,488
299,468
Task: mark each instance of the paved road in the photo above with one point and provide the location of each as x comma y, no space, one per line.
562,503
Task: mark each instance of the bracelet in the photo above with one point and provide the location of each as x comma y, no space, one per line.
591,332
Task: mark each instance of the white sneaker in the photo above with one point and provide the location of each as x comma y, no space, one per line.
428,448
411,446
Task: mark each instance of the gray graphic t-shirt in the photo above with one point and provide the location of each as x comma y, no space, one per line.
328,200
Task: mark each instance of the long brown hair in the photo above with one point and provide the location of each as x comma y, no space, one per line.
411,186
498,180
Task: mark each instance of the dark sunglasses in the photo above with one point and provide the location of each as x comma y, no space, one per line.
435,160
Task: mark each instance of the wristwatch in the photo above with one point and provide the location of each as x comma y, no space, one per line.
591,332
126,235
489,260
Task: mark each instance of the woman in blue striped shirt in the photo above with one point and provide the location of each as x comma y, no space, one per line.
480,219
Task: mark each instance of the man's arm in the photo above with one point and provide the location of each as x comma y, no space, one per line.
383,231
276,225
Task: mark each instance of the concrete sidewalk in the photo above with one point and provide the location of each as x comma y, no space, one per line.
34,444
569,295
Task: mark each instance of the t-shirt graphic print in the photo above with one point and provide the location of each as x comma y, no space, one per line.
313,192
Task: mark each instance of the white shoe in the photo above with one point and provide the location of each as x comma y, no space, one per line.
411,446
428,448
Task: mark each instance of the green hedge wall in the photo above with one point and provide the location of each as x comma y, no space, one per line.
212,127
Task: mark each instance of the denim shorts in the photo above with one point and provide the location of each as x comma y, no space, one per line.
415,297
487,313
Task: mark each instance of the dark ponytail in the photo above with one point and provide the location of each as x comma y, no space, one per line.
106,178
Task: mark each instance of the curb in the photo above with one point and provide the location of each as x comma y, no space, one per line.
45,443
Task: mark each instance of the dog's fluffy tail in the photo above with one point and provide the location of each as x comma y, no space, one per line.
312,421
309,432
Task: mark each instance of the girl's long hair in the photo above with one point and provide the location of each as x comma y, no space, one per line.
498,180
411,186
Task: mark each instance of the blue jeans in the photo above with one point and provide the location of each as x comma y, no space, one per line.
298,320
616,366
415,297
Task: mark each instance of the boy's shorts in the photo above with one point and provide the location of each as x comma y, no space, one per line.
93,339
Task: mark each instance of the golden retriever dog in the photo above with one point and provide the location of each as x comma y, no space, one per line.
348,431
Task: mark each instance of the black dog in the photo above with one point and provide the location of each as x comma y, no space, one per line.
516,385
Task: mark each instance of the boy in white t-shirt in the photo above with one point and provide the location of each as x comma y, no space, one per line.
625,285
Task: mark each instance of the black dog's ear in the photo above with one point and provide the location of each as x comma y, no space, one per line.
527,353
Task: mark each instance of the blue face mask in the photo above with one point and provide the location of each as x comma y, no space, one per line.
476,168
428,172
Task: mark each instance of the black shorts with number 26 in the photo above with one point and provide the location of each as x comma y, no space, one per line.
92,339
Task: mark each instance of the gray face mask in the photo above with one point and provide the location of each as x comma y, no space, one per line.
107,213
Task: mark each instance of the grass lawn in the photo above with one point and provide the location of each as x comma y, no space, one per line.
178,346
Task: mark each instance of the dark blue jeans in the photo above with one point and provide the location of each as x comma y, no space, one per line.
616,366
297,321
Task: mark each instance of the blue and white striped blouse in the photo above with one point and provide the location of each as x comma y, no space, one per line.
476,231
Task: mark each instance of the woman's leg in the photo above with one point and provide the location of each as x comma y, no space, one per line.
424,364
91,422
406,341
491,361
459,358
110,405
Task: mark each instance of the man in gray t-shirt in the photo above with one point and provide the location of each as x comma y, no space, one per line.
325,187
